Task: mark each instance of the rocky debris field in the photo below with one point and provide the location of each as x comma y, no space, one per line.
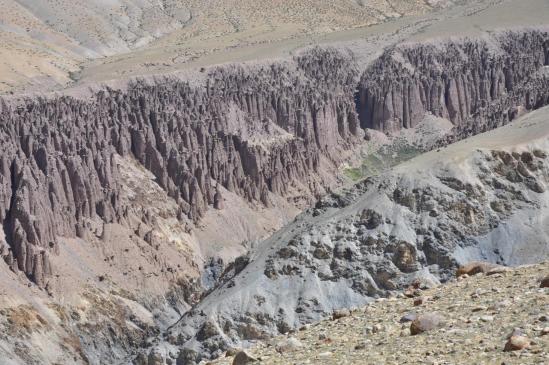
497,317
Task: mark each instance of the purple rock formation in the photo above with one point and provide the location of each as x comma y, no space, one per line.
254,130
57,164
475,84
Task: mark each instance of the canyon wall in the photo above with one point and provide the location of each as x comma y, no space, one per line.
253,130
476,84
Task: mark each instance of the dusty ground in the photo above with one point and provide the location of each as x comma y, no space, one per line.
49,45
479,313
43,43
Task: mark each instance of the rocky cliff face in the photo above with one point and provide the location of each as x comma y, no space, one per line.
252,131
477,84
257,131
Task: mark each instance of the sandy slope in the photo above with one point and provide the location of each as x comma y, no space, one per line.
51,44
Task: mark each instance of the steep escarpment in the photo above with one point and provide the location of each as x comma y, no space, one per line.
252,130
477,84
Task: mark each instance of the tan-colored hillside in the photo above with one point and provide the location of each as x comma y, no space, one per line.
43,42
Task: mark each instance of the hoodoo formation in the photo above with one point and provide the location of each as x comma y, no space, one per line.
253,130
185,193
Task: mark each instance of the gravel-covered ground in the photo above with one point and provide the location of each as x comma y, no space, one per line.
478,314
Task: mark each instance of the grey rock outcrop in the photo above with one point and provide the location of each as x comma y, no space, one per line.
288,283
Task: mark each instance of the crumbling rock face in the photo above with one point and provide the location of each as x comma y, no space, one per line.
256,130
476,84
51,177
253,130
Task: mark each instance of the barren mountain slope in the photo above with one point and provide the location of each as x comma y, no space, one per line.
47,40
122,207
483,198
136,216
47,45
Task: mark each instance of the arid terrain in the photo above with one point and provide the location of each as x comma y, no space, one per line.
181,181
51,45
477,315
45,43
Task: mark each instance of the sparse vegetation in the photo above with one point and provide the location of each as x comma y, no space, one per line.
376,162
354,173
24,318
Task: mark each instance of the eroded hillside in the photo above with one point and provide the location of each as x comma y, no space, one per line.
483,198
133,219
269,129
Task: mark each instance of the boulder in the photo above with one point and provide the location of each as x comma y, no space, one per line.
242,358
410,317
340,313
288,345
370,218
426,322
477,267
232,351
515,343
155,358
405,257
420,301
187,357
